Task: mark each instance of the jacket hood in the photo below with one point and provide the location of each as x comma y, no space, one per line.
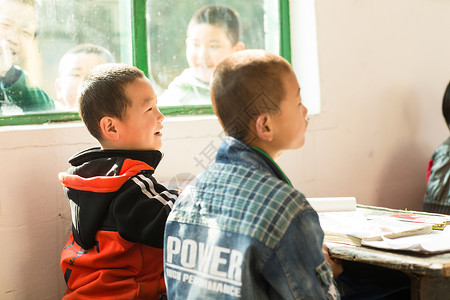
150,157
93,182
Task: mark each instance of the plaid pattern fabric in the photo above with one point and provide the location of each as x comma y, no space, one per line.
238,223
240,199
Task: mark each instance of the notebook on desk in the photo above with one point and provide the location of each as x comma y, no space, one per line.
343,223
351,227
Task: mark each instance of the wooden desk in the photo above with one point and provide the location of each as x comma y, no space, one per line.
430,274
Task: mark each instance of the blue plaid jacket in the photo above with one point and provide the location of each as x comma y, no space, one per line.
242,232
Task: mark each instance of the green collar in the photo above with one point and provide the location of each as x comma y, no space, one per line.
278,169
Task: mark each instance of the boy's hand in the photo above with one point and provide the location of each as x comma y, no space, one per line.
335,263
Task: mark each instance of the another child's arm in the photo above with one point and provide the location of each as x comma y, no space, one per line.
24,93
335,264
18,87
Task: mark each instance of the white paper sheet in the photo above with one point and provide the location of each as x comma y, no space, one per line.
437,241
333,203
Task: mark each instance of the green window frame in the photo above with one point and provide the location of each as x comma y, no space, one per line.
140,54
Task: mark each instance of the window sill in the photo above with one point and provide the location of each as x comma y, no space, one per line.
52,134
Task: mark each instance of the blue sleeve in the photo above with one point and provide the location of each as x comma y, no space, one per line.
297,269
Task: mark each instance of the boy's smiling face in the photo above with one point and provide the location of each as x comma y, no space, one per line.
206,45
140,127
17,29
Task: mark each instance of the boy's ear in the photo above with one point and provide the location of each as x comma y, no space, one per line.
238,46
263,128
109,128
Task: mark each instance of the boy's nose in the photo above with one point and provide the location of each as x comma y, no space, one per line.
160,117
11,37
305,110
203,53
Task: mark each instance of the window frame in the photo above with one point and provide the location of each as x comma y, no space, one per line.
140,60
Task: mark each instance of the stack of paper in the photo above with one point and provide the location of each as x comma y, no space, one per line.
436,242
438,221
351,227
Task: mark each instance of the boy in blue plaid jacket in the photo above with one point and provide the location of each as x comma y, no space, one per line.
242,231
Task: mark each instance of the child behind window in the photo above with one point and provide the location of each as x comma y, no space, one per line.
213,33
74,66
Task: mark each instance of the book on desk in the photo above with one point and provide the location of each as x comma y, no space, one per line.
380,227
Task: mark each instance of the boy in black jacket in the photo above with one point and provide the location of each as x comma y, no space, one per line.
118,209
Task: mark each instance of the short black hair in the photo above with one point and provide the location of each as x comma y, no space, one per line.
102,93
221,16
446,105
246,84
90,49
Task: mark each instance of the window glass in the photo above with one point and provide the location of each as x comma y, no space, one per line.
43,42
185,43
47,46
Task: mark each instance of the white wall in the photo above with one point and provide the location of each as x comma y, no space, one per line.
383,68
